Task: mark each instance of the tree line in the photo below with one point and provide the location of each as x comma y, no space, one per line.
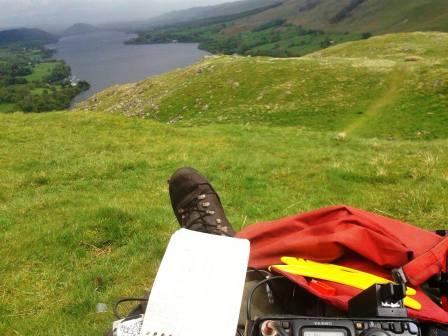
276,37
53,90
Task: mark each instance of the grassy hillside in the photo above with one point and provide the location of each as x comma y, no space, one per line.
375,16
391,86
85,215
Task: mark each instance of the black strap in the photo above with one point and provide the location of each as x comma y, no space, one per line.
434,330
138,310
442,233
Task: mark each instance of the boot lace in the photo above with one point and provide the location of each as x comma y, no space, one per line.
198,206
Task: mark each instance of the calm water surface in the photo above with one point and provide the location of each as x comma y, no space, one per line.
102,59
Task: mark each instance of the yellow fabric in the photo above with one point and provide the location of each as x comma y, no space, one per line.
339,274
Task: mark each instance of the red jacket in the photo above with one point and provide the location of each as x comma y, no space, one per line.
357,239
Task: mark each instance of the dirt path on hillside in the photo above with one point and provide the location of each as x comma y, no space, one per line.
395,82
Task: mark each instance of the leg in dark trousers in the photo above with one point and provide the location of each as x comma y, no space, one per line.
198,207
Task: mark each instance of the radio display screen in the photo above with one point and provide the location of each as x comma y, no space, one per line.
324,332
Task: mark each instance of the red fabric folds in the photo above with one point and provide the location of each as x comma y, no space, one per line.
424,266
354,238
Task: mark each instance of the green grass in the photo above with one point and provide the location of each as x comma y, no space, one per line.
38,91
392,86
431,47
7,108
46,90
295,45
5,52
85,215
40,71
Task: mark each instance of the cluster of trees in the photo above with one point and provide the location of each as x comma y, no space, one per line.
275,38
187,31
60,73
269,24
51,100
11,94
52,91
14,68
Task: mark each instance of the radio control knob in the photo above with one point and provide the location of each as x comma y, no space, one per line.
397,327
385,325
413,329
374,332
359,325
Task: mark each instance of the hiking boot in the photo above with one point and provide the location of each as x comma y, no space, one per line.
196,204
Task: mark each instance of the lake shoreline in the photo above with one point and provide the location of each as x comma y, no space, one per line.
104,59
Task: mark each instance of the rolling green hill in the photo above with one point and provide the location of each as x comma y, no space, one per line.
26,36
391,86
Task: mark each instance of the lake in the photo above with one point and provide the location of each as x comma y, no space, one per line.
102,59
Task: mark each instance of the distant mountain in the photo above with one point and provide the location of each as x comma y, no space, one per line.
374,16
285,28
206,12
187,15
79,29
26,36
52,28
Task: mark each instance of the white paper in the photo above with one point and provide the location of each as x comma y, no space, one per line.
199,286
125,327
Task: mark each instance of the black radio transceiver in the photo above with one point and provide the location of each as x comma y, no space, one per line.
306,326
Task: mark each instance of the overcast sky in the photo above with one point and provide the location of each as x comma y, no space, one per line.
38,12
